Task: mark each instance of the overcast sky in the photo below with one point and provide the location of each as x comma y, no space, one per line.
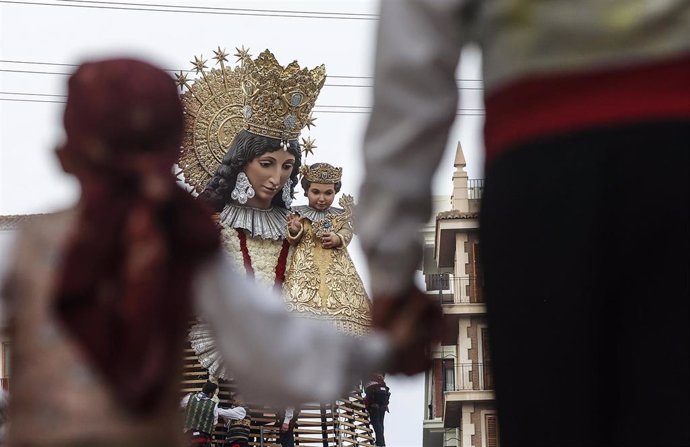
40,41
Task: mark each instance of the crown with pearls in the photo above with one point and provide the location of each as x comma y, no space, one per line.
278,100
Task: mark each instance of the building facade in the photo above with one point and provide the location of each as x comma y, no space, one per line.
9,226
459,396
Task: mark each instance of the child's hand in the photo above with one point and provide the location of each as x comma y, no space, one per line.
330,240
294,224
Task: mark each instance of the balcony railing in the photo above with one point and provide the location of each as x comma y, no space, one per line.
469,377
475,188
455,289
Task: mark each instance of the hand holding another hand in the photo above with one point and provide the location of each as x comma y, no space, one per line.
414,324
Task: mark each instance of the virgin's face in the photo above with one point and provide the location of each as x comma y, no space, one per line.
321,195
267,174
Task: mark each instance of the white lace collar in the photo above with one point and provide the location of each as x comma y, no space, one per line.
268,223
316,215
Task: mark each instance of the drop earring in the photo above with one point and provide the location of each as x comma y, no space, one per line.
243,189
287,196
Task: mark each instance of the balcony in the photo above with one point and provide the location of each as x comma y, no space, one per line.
475,188
471,382
455,289
459,296
469,377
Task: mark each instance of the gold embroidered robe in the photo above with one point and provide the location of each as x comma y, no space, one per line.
323,283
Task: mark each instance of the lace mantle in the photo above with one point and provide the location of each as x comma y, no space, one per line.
270,223
316,215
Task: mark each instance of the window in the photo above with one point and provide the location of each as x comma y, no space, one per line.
491,424
4,377
5,360
448,375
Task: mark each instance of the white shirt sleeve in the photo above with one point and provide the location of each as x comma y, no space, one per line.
276,356
230,413
289,414
415,102
185,401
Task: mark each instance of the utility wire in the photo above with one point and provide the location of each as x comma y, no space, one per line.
354,108
195,10
32,94
225,8
31,100
10,61
316,108
56,73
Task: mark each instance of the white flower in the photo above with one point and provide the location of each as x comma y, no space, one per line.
264,254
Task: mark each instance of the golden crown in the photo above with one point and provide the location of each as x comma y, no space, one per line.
215,103
278,100
321,173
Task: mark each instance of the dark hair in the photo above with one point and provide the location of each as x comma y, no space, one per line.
244,148
306,184
209,388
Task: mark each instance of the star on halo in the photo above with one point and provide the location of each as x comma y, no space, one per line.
181,79
310,121
308,146
199,63
242,53
220,55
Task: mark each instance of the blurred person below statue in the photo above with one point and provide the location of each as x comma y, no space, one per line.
377,399
202,413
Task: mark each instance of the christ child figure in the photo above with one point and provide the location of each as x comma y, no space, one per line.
321,280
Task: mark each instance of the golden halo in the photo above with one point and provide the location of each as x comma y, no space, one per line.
212,106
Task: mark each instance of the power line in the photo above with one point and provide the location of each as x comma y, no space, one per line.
225,9
56,73
31,94
31,100
354,108
5,70
195,10
10,61
316,109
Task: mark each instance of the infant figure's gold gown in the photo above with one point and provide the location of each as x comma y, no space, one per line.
323,282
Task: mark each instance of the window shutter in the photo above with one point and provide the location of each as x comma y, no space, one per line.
491,430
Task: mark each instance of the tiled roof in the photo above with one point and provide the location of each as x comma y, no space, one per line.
456,214
14,221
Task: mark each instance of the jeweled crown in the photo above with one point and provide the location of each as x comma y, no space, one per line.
321,173
278,100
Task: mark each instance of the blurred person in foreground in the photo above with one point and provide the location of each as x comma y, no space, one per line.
99,297
584,217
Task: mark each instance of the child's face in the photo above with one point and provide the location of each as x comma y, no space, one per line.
321,195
